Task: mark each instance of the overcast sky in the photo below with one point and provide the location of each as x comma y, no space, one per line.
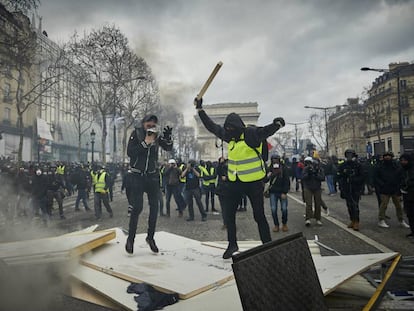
281,54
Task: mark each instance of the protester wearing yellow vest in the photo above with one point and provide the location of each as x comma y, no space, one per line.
246,169
101,185
209,177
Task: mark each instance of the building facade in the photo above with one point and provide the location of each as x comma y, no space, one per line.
211,148
346,128
389,110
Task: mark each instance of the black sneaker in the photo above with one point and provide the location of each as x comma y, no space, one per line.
152,245
204,218
229,251
111,215
190,219
62,217
129,246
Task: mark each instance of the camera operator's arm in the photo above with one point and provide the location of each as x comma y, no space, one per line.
320,174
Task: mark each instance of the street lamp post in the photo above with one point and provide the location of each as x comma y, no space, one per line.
296,134
87,151
93,143
400,126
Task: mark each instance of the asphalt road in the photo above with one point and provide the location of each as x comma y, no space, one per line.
333,233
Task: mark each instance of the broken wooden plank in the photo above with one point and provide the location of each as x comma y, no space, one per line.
182,266
52,249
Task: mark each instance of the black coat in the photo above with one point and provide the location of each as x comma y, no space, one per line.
388,177
144,157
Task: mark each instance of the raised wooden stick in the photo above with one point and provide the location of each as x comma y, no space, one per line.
209,80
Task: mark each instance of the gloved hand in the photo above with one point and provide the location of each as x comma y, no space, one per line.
279,122
167,133
198,103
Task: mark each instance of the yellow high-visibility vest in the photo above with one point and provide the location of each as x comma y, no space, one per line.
100,183
205,172
60,170
93,178
245,162
182,168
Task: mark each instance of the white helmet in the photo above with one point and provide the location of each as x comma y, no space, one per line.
308,159
171,161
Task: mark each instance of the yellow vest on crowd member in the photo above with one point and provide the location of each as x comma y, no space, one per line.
205,172
245,162
100,183
182,168
60,170
94,178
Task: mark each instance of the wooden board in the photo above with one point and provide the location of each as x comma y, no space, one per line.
52,249
109,287
182,266
84,292
335,270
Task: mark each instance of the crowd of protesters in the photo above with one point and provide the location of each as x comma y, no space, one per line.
31,188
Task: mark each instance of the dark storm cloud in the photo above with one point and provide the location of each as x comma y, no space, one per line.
274,52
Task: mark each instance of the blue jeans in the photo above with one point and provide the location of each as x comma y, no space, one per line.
274,199
330,183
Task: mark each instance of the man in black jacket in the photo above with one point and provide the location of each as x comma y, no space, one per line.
246,169
80,179
351,181
142,150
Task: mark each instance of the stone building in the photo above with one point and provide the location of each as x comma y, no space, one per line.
211,147
389,110
346,128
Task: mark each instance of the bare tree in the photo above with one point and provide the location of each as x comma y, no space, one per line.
138,96
317,129
103,55
31,72
21,5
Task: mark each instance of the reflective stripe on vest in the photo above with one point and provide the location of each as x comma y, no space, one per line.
244,162
100,183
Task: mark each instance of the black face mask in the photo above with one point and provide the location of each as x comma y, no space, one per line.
233,133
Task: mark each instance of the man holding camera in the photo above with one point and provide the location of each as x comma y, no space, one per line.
312,178
351,181
142,150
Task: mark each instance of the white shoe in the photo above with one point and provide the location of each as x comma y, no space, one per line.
383,224
319,223
307,223
326,212
404,224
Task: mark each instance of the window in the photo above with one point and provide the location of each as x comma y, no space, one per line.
405,120
403,84
6,94
389,144
7,114
404,101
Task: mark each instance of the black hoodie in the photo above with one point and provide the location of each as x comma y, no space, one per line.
407,176
253,135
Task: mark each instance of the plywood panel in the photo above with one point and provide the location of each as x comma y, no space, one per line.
182,266
335,270
52,249
110,287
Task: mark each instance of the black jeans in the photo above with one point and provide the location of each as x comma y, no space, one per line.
140,184
196,194
100,198
232,197
174,190
409,210
352,203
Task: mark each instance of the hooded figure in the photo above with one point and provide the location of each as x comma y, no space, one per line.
246,169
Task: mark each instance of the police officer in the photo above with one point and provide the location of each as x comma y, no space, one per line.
351,181
142,150
246,169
